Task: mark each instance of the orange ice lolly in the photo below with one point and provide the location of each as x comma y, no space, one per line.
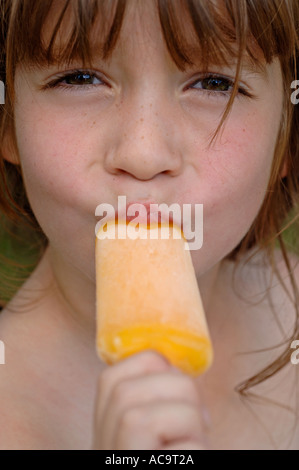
148,298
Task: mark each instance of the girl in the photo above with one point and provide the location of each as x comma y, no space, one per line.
162,101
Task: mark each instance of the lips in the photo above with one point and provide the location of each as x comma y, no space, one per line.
146,212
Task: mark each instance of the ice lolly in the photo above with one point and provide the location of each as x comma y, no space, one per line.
148,298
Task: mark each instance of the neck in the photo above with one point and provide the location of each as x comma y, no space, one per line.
207,287
77,292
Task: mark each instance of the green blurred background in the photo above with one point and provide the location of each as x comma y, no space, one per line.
19,254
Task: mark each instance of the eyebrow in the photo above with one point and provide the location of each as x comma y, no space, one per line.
257,68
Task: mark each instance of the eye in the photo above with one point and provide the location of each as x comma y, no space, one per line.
81,79
216,85
213,83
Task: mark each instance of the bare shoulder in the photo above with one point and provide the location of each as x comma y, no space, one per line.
281,290
25,422
21,426
17,431
295,441
264,311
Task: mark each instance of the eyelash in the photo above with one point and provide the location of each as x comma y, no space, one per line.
219,94
58,83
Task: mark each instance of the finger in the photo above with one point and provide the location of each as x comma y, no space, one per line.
185,445
202,387
155,426
138,364
156,387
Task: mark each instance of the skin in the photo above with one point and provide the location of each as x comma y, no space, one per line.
143,132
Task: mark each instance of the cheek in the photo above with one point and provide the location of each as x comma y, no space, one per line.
240,169
240,164
51,155
234,178
61,158
56,158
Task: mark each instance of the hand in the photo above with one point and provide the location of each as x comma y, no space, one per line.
144,403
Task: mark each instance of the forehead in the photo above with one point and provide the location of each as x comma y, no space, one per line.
192,30
109,25
129,22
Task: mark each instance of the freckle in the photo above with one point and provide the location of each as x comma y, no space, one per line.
141,120
142,138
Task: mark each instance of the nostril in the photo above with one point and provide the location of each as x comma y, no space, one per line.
144,162
118,171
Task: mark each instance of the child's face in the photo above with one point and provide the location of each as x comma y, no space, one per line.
139,127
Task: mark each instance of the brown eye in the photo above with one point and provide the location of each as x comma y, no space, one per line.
216,84
81,78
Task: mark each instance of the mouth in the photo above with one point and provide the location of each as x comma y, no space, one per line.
144,214
148,213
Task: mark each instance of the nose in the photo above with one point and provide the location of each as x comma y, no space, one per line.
146,142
